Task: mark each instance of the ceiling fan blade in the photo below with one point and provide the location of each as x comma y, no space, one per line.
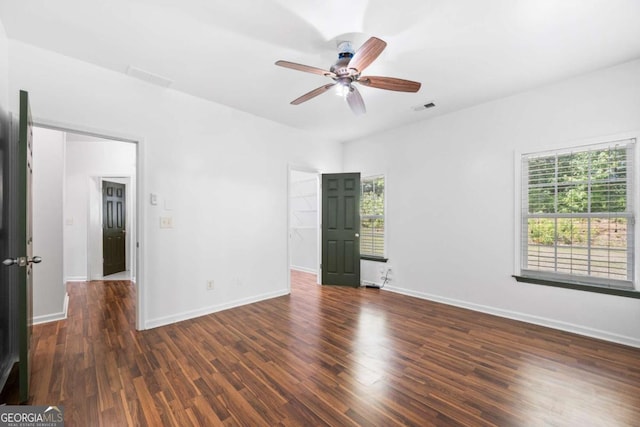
367,53
390,83
307,96
355,101
305,68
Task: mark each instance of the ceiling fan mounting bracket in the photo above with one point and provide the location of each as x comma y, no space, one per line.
345,48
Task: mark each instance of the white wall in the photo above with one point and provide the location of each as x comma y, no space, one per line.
49,291
222,172
450,199
87,161
4,68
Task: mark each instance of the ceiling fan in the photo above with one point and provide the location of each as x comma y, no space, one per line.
348,70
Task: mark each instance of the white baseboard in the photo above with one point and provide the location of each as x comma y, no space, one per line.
76,279
46,318
536,320
304,269
167,320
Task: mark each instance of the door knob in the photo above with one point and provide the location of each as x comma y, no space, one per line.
20,261
357,234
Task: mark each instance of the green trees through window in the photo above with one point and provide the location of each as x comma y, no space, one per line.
577,213
593,181
372,217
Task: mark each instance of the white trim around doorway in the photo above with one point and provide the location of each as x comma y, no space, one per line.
140,238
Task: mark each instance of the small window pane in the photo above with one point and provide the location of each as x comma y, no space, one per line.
372,217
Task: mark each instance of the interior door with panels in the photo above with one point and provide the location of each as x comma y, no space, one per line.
113,227
17,232
341,229
8,250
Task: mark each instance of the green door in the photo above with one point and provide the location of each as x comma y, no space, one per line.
8,251
113,228
25,244
341,229
17,213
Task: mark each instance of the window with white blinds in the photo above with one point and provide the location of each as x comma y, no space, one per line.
372,217
578,215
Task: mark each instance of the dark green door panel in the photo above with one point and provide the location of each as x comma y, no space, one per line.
25,244
9,356
113,228
340,229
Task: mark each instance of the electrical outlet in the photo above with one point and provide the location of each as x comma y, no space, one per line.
166,222
209,285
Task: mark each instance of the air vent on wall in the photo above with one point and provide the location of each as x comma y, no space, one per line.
149,77
429,104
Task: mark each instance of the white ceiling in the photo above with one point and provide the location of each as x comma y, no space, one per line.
464,52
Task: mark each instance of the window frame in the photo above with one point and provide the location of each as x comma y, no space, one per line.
590,283
367,256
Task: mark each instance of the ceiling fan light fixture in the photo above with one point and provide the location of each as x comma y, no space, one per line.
343,89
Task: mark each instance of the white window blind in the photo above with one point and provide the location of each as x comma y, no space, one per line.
578,215
372,217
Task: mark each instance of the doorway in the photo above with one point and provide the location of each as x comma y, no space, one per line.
309,199
304,231
87,160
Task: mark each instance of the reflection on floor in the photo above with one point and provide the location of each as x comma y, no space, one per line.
302,278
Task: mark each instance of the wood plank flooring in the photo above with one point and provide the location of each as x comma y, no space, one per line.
326,356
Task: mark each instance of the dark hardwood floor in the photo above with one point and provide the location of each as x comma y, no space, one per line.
326,356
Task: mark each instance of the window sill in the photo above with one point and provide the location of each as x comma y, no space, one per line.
373,258
578,286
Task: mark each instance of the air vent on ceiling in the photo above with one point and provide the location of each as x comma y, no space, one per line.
149,77
429,104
